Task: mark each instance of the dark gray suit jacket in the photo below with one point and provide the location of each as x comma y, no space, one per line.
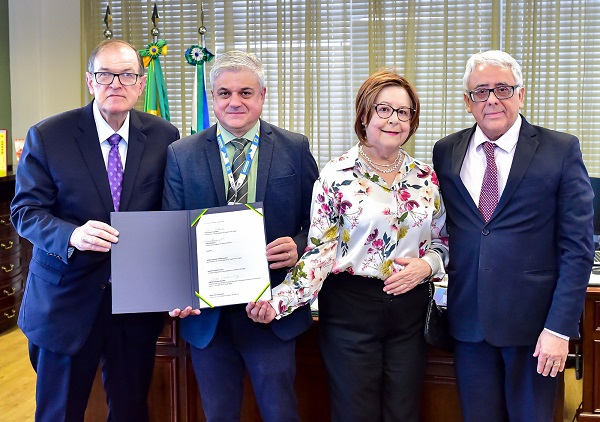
286,175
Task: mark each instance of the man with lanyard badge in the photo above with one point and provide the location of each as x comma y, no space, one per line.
243,159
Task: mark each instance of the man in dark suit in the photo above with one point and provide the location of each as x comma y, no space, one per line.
519,218
224,342
62,205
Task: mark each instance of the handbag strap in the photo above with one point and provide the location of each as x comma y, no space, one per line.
431,289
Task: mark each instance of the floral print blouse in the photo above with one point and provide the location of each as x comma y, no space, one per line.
359,224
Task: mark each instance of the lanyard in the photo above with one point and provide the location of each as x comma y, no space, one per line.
235,184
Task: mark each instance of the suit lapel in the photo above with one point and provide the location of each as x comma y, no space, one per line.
213,156
265,157
525,149
135,151
89,145
458,156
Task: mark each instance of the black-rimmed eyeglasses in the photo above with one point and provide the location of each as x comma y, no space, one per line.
107,78
385,111
502,92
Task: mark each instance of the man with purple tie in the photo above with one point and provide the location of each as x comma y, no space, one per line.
519,218
76,168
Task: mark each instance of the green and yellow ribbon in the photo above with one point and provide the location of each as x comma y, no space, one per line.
155,101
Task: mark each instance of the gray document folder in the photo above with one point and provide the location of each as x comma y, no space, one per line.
154,264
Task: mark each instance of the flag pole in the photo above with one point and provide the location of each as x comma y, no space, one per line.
202,28
197,56
108,21
155,100
155,32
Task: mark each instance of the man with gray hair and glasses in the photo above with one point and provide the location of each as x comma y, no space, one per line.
519,218
76,168
280,171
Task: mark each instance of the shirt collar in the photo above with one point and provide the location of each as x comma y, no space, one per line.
345,161
103,128
228,136
506,142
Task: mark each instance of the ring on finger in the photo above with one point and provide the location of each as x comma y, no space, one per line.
556,364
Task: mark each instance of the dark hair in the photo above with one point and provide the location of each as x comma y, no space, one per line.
108,43
368,92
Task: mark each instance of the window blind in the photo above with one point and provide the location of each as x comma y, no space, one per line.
556,43
317,53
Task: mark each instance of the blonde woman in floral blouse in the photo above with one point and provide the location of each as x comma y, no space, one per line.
375,236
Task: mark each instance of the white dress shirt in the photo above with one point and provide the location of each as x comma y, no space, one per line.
105,131
474,164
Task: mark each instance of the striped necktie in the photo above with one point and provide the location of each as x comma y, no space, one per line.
239,158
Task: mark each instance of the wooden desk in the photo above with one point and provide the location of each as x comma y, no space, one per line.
590,408
174,394
15,254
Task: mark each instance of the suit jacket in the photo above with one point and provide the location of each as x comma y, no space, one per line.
62,183
285,178
529,266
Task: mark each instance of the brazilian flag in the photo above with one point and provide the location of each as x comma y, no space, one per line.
155,101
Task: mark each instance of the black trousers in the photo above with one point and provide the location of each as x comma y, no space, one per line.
125,345
373,348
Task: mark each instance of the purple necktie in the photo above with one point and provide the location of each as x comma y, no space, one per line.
489,188
115,170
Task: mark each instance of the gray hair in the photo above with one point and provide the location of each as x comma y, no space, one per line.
493,58
108,43
234,61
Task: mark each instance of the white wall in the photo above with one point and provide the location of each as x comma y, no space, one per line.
46,69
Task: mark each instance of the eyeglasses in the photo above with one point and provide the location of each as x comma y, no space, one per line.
385,112
107,78
502,92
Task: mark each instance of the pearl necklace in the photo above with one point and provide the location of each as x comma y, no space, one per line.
387,168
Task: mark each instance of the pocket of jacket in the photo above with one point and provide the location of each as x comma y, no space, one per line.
150,186
41,271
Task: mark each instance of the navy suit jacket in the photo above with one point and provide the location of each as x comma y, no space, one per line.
285,178
529,266
62,183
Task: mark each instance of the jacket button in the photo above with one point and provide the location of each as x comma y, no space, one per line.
485,232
